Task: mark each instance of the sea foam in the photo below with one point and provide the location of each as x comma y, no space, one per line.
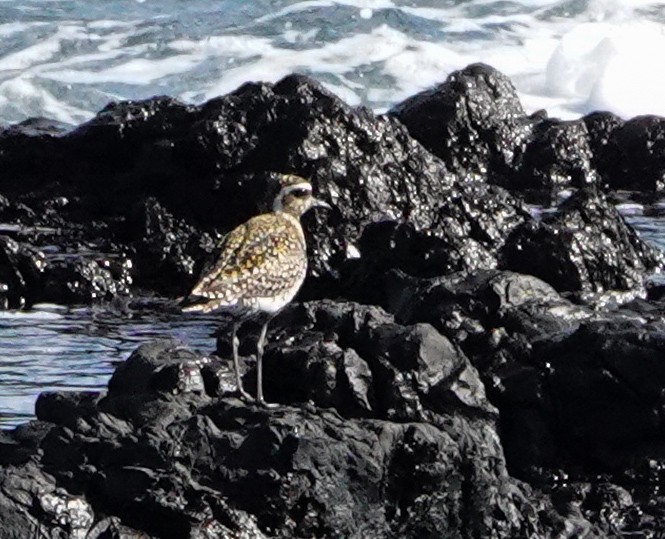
569,57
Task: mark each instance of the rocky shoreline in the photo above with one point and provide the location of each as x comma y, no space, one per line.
456,365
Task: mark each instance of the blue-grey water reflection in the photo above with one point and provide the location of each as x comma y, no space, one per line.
54,348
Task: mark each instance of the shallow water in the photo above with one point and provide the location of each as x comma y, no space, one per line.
55,348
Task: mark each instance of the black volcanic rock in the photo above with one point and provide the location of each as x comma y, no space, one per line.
634,156
167,250
600,126
558,157
470,228
404,403
200,463
496,317
357,359
74,279
165,366
576,388
605,383
473,121
584,246
587,398
124,136
20,269
29,152
466,306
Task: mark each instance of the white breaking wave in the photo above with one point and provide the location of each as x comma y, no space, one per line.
570,57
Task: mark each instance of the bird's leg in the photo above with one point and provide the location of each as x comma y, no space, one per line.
259,367
235,343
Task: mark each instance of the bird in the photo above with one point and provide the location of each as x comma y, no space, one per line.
260,269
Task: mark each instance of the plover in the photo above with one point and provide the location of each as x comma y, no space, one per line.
262,265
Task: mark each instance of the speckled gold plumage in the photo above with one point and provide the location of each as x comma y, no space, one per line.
266,257
261,267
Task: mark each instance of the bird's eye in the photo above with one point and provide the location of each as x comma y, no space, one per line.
300,192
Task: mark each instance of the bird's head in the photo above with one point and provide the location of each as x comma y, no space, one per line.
295,196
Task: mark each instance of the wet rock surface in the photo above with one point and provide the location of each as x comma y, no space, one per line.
458,363
558,157
584,247
473,121
171,460
634,155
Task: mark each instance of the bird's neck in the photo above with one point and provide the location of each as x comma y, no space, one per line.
290,211
295,223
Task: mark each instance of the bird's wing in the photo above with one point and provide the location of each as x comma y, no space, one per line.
262,257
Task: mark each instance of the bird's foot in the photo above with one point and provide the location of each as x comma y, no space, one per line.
244,395
267,405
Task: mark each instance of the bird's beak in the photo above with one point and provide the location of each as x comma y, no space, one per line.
318,203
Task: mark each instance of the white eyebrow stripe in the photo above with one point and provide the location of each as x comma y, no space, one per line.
303,185
277,204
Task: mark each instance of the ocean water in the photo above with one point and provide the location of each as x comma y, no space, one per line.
53,348
65,59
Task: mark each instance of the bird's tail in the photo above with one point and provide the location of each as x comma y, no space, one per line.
194,304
